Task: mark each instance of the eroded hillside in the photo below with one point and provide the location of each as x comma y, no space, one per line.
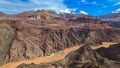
25,38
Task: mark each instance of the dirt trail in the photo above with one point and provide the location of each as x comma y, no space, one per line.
104,44
51,58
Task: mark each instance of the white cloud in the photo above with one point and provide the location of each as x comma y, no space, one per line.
68,10
116,11
65,11
83,12
118,3
31,5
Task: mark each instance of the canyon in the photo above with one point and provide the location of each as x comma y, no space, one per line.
41,33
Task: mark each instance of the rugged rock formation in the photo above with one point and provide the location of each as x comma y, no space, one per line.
113,52
27,39
7,35
84,57
32,41
38,15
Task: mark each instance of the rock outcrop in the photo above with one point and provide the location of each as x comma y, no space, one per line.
39,15
7,35
83,58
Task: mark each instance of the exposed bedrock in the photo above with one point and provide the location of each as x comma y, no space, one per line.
31,42
113,52
6,37
20,40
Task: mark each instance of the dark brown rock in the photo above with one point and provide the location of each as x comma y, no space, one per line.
113,52
84,57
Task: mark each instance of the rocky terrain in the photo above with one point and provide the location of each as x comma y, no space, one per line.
113,52
84,57
40,33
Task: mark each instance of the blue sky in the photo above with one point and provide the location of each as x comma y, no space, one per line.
91,7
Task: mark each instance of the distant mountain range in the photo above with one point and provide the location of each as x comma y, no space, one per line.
113,19
110,17
2,14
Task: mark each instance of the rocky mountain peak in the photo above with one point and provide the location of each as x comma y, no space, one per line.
46,11
86,50
39,15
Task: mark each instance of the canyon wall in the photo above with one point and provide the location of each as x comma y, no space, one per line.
22,40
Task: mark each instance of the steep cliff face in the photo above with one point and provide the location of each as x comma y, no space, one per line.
7,35
82,57
85,57
113,52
